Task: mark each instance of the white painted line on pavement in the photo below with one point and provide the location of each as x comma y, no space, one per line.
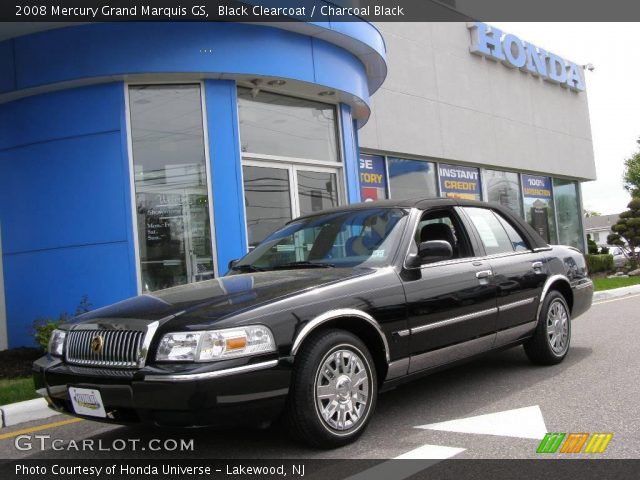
415,461
526,422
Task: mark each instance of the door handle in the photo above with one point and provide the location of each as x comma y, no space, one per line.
537,266
483,274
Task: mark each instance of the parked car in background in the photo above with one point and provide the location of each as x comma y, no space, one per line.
322,315
620,255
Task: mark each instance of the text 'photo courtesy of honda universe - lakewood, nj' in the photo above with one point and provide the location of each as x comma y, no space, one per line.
322,315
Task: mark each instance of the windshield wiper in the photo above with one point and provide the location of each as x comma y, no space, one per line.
303,264
246,268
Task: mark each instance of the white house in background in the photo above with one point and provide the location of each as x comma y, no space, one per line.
599,227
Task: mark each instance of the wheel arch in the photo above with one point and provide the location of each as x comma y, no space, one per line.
357,322
561,284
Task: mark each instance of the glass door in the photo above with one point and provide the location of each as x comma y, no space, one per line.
172,199
276,193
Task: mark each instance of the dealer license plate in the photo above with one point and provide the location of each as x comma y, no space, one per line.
87,401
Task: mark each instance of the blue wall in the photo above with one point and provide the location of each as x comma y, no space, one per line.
64,204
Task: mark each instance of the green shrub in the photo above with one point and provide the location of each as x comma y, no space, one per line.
600,263
604,250
42,327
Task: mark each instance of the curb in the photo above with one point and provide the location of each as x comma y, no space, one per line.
20,412
616,293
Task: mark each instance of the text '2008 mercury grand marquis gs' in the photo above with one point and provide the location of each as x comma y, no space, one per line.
321,316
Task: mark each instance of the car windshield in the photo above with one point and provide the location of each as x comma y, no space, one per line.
340,239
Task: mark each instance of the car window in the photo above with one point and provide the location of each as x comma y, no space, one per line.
341,239
492,234
443,225
518,243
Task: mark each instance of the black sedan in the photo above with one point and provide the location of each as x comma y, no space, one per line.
321,316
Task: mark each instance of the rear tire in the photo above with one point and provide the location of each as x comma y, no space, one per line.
333,390
550,342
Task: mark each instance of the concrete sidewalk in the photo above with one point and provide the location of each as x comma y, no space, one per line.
616,293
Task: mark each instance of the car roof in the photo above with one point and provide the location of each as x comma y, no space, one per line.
421,203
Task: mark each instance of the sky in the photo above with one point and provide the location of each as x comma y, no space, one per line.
612,92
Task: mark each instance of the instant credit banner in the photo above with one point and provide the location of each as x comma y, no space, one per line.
536,187
373,178
459,182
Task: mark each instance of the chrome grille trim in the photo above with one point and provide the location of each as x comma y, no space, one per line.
124,346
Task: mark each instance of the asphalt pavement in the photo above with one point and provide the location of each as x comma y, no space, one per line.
596,389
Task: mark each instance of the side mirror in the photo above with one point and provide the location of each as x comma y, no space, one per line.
434,251
232,263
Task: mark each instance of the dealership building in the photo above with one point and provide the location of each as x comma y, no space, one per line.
139,156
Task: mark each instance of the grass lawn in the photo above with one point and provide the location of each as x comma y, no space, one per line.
609,283
16,390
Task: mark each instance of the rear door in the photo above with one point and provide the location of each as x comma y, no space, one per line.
451,304
518,272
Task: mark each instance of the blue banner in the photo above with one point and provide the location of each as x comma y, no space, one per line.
373,178
536,187
459,182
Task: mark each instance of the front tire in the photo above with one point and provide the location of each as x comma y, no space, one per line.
333,391
550,342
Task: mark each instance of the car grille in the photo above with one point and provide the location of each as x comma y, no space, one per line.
118,348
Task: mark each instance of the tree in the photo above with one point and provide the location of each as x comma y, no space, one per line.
592,248
590,213
631,176
628,229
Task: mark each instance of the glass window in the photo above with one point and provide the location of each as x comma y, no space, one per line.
568,213
503,188
278,125
340,239
373,178
316,191
411,178
459,182
174,234
538,206
444,225
519,245
267,198
493,235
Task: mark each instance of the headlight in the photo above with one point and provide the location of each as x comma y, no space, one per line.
56,342
216,344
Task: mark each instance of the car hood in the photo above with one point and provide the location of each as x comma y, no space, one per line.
222,297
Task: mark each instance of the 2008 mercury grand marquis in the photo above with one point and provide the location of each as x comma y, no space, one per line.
321,316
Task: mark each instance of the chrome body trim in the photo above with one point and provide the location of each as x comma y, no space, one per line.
547,285
588,283
332,315
402,333
519,303
208,375
449,321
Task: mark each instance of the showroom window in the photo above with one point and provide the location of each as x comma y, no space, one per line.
568,213
503,188
537,196
171,190
411,178
291,159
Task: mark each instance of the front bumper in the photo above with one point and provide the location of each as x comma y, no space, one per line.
221,394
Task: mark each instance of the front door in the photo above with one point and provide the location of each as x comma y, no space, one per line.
276,193
451,304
